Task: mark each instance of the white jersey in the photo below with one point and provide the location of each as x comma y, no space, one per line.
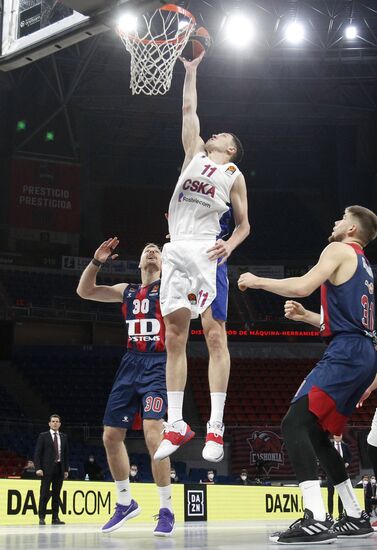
200,198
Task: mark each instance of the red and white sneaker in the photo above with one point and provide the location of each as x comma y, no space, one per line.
175,435
214,448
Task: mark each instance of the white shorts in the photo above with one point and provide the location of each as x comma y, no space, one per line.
188,277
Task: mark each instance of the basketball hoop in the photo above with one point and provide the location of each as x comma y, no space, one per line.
155,46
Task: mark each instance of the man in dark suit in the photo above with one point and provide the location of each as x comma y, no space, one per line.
51,465
344,451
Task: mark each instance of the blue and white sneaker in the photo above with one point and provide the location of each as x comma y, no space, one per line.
122,513
165,525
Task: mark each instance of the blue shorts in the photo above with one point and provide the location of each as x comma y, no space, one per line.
219,305
139,386
339,379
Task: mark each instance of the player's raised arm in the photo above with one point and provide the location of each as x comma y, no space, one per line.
299,287
87,287
296,312
192,142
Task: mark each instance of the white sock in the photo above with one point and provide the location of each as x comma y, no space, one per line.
175,404
165,497
348,497
123,492
217,407
313,501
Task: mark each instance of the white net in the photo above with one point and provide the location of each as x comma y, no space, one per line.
155,44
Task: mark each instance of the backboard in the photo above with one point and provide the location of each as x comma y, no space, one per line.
31,29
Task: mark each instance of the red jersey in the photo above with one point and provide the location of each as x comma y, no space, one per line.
142,315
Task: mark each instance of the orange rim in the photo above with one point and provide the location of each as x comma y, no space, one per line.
180,37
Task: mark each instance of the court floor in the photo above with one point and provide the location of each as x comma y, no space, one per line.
240,535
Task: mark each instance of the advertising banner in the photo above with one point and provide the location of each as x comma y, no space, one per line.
88,502
45,196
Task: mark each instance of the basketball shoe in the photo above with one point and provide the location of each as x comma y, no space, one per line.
175,435
306,530
122,514
165,525
214,447
349,526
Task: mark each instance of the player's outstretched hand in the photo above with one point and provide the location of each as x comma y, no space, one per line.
363,398
194,63
106,250
220,251
247,280
294,310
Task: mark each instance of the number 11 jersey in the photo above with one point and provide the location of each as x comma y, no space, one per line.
200,198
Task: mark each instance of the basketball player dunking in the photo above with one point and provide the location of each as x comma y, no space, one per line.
193,281
331,391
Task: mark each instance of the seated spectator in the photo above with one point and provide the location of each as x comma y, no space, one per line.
29,471
243,478
210,479
173,476
134,475
93,470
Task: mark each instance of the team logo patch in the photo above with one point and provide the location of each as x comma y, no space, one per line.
267,449
192,299
154,289
230,170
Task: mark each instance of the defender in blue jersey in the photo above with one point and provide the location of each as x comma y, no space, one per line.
340,379
140,383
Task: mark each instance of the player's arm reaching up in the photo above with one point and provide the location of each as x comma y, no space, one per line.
192,142
296,311
87,287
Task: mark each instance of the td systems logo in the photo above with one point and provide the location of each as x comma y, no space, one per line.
266,448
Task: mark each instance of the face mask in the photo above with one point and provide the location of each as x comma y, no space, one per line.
365,482
91,459
172,475
243,477
210,477
133,473
373,480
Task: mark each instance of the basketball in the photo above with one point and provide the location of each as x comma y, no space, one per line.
199,41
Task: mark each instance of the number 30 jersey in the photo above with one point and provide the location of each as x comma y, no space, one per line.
200,198
143,319
350,307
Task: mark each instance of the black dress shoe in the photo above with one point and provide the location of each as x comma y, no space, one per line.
42,521
57,521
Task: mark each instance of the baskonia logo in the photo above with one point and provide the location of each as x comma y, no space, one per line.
266,448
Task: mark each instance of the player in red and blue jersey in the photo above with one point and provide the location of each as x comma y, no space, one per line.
331,391
140,383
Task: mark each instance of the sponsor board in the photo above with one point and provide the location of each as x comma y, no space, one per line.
196,502
94,502
81,501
